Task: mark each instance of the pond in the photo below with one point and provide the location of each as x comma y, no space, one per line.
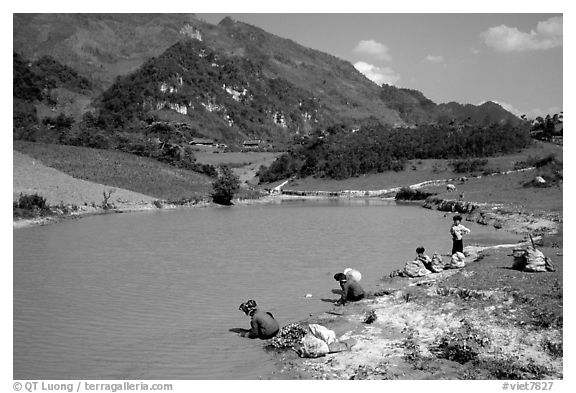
153,295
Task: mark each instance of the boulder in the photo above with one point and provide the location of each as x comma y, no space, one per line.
539,180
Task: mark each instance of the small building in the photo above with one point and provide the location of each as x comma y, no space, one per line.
202,142
252,143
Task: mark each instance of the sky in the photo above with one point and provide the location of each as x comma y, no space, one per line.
515,59
495,50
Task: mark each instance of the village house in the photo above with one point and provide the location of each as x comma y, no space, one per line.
202,142
252,143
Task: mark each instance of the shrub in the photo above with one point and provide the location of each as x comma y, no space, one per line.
30,206
30,202
512,368
462,344
225,186
410,194
468,165
554,348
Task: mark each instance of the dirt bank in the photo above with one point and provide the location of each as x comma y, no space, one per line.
485,321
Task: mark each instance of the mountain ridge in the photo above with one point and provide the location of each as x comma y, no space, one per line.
114,49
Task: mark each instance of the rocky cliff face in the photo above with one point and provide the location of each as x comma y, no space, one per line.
232,80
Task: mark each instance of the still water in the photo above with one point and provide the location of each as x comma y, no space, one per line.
153,295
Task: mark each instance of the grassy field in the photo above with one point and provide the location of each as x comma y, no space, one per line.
235,159
418,171
117,169
244,165
165,182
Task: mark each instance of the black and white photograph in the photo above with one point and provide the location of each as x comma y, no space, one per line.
276,195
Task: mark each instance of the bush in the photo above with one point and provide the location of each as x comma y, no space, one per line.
410,194
549,168
554,348
461,345
30,202
225,186
30,206
511,368
468,165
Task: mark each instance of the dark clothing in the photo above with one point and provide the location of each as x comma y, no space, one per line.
457,230
457,246
264,325
351,291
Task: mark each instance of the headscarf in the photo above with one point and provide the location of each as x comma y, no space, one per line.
248,306
340,277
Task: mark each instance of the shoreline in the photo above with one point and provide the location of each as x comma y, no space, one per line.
413,314
484,323
495,215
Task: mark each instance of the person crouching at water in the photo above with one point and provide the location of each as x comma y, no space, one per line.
457,231
351,290
263,324
425,259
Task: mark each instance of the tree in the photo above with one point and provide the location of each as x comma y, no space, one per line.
225,186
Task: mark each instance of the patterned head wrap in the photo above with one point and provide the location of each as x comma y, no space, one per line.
248,306
340,277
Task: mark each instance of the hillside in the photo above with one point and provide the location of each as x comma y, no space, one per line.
33,177
229,82
487,113
109,169
98,46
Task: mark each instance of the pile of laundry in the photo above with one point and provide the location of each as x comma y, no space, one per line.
309,341
531,260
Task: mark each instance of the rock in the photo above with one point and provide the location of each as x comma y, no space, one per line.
338,346
371,317
539,180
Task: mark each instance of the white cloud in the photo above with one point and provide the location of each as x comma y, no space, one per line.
434,59
378,75
374,49
548,34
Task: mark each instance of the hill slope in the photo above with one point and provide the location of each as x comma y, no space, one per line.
111,169
33,177
99,46
230,81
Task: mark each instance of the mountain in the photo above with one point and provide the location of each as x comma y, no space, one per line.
414,107
98,46
411,105
230,81
487,113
